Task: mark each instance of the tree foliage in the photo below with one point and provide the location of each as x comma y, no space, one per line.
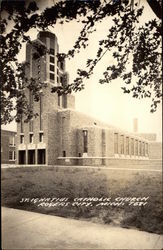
135,47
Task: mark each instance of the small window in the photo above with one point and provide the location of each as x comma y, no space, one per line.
41,136
52,51
79,154
51,67
31,138
10,155
51,59
21,139
51,76
64,153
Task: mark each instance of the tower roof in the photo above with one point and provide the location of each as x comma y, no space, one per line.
49,34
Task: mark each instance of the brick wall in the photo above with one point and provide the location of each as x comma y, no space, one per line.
148,136
155,150
52,129
109,143
6,147
70,101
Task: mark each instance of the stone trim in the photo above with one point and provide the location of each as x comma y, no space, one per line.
100,157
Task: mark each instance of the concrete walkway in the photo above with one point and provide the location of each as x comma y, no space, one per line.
28,230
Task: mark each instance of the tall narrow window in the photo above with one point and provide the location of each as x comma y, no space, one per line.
14,155
143,149
10,155
127,145
31,106
116,143
41,111
21,125
146,149
85,140
136,147
132,146
13,140
122,144
140,148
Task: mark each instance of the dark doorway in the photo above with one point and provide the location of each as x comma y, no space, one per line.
31,156
41,156
22,158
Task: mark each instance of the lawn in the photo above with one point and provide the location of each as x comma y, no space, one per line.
40,187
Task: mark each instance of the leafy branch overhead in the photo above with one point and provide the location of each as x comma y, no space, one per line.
134,46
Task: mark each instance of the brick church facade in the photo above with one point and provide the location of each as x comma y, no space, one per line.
62,136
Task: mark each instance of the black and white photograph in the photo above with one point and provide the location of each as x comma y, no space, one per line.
81,124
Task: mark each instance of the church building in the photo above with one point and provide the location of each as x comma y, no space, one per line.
62,136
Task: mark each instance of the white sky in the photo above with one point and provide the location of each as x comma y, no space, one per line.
105,102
